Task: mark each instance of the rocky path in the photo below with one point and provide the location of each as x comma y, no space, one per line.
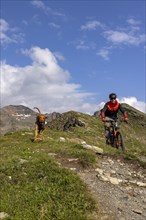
119,187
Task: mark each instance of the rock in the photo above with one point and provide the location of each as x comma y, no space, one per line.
87,146
114,186
115,181
94,148
52,154
62,139
72,122
22,161
74,140
97,113
72,168
3,215
65,122
137,211
141,184
98,150
100,171
72,159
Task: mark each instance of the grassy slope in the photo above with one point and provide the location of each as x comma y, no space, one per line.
33,184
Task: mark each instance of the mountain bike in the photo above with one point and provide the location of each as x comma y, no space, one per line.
115,137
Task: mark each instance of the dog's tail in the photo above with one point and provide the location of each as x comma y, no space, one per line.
37,109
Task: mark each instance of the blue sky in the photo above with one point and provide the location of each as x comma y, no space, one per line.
69,55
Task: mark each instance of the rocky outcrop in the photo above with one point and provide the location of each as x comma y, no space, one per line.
72,122
65,122
97,113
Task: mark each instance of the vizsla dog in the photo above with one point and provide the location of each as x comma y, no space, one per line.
39,125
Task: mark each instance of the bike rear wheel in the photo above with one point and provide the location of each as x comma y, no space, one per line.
119,141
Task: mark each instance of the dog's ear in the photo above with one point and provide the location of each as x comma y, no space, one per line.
46,117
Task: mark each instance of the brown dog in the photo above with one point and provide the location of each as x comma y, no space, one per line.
39,125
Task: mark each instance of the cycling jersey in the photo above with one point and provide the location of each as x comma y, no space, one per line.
111,110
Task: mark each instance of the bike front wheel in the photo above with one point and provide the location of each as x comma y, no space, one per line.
119,141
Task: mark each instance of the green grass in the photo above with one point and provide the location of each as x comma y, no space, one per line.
34,186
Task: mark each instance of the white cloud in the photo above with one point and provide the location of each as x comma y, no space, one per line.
36,19
43,83
53,25
8,34
46,9
38,4
46,85
133,22
82,45
45,61
4,28
141,106
59,56
104,53
132,101
120,37
92,25
131,34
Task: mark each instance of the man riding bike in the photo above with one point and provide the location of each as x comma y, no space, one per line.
110,111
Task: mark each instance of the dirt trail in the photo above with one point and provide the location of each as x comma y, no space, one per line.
119,187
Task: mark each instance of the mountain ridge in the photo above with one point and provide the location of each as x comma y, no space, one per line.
116,179
19,117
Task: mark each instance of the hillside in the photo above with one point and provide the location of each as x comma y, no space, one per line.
83,126
15,118
61,179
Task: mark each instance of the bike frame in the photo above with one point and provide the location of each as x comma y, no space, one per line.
115,128
115,135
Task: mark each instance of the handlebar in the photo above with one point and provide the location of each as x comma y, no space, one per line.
117,121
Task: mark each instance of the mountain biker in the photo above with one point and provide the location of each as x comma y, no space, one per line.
110,111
